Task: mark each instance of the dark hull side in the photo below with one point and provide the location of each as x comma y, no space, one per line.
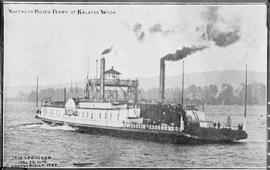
143,134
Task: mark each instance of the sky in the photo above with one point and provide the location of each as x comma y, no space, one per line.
57,47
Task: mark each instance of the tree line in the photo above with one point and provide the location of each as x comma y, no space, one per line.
55,94
211,95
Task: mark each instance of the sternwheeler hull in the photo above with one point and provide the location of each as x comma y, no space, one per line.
145,134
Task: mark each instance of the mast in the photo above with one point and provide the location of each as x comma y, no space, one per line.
96,68
181,119
183,85
87,79
245,113
245,108
71,85
65,93
87,68
37,94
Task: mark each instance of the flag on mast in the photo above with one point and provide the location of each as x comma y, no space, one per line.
106,51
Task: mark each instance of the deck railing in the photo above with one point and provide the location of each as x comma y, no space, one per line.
233,126
117,82
170,128
151,127
223,125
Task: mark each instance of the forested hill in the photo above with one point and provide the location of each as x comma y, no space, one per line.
233,77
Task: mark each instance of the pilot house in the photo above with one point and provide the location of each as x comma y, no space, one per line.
112,74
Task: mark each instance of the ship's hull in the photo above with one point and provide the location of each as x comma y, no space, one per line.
148,135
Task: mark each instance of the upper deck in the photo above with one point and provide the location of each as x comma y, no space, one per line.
90,104
115,82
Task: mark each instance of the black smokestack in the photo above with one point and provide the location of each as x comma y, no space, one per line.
162,80
178,55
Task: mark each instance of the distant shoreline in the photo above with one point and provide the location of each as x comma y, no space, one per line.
12,102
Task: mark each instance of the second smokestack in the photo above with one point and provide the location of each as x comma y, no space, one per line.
102,77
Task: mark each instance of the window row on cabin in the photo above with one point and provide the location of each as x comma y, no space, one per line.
53,111
83,114
100,115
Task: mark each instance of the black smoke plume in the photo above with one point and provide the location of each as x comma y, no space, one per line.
211,31
184,52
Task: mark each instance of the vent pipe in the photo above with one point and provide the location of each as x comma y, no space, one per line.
37,94
102,77
65,94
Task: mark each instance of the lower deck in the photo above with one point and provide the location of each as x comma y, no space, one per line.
205,135
94,116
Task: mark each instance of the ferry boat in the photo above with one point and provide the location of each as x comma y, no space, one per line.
111,107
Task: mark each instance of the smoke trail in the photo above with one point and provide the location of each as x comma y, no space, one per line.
157,28
137,29
140,33
140,36
217,30
184,52
226,38
106,51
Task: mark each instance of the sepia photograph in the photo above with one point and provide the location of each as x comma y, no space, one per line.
135,85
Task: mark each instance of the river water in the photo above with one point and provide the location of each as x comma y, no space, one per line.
26,136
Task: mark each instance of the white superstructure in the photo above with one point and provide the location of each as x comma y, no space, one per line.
93,113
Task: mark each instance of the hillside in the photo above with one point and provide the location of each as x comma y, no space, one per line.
233,77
